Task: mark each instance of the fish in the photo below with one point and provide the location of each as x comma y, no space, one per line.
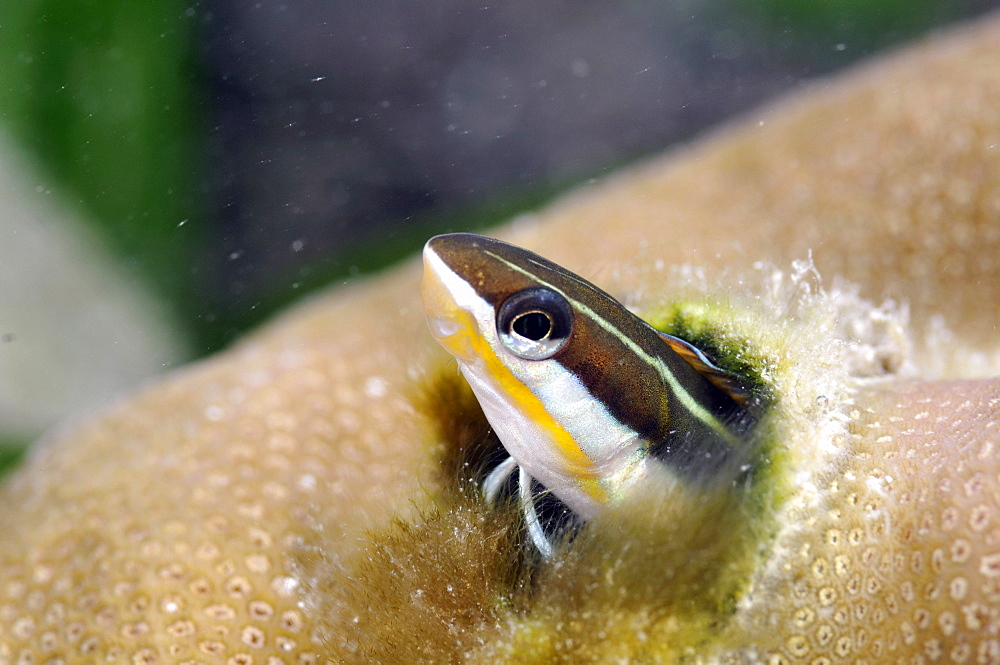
586,398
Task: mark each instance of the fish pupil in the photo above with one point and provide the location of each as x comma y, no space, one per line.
533,325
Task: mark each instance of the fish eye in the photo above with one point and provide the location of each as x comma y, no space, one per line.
535,324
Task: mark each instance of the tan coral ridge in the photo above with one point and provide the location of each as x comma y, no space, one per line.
167,529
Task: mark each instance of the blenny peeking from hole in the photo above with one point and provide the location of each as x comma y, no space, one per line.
587,399
597,476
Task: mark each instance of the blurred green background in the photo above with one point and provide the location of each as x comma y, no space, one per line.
130,111
109,96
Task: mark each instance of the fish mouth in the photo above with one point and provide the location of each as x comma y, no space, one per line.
448,322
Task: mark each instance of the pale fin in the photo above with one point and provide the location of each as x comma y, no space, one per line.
495,481
717,376
535,530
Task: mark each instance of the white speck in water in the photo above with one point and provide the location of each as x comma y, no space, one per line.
376,386
307,482
579,67
317,79
214,413
182,222
840,47
170,607
297,245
